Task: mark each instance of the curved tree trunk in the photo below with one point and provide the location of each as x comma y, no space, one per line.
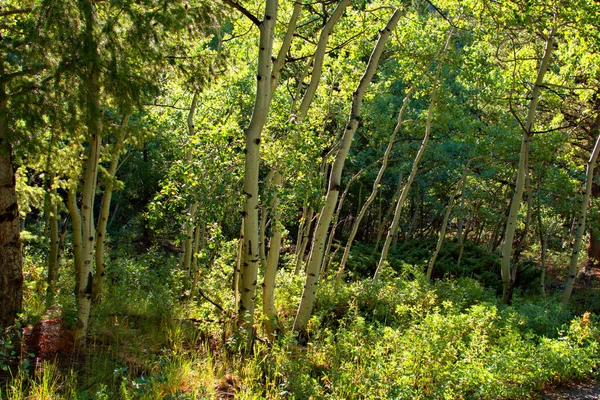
318,245
573,265
515,205
394,226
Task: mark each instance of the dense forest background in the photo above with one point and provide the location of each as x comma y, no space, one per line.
309,199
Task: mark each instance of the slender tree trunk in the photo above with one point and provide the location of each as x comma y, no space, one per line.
109,188
192,208
395,222
198,245
305,240
442,233
250,252
302,111
382,222
375,189
511,223
522,238
573,265
318,246
11,275
51,214
272,261
51,211
335,218
77,235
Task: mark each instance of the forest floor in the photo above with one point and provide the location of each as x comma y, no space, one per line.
588,390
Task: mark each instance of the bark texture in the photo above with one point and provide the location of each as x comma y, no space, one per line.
250,248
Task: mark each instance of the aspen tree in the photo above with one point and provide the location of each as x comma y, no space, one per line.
189,224
110,185
275,176
581,217
396,220
86,228
250,250
369,200
313,268
515,205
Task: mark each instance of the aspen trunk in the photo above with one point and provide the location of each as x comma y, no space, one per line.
109,188
511,223
250,251
335,219
272,261
573,265
375,189
188,225
300,250
395,222
198,245
11,275
86,276
318,245
386,217
77,235
442,234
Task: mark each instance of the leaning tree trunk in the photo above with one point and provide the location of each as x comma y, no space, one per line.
313,268
515,205
573,267
375,189
395,222
110,186
593,250
382,222
442,234
11,275
250,251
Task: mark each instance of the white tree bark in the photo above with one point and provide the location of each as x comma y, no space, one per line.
318,245
515,205
395,222
384,164
251,257
272,261
109,187
573,265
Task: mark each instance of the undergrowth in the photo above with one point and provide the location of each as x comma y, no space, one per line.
400,336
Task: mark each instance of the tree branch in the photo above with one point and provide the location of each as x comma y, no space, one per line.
13,12
234,4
